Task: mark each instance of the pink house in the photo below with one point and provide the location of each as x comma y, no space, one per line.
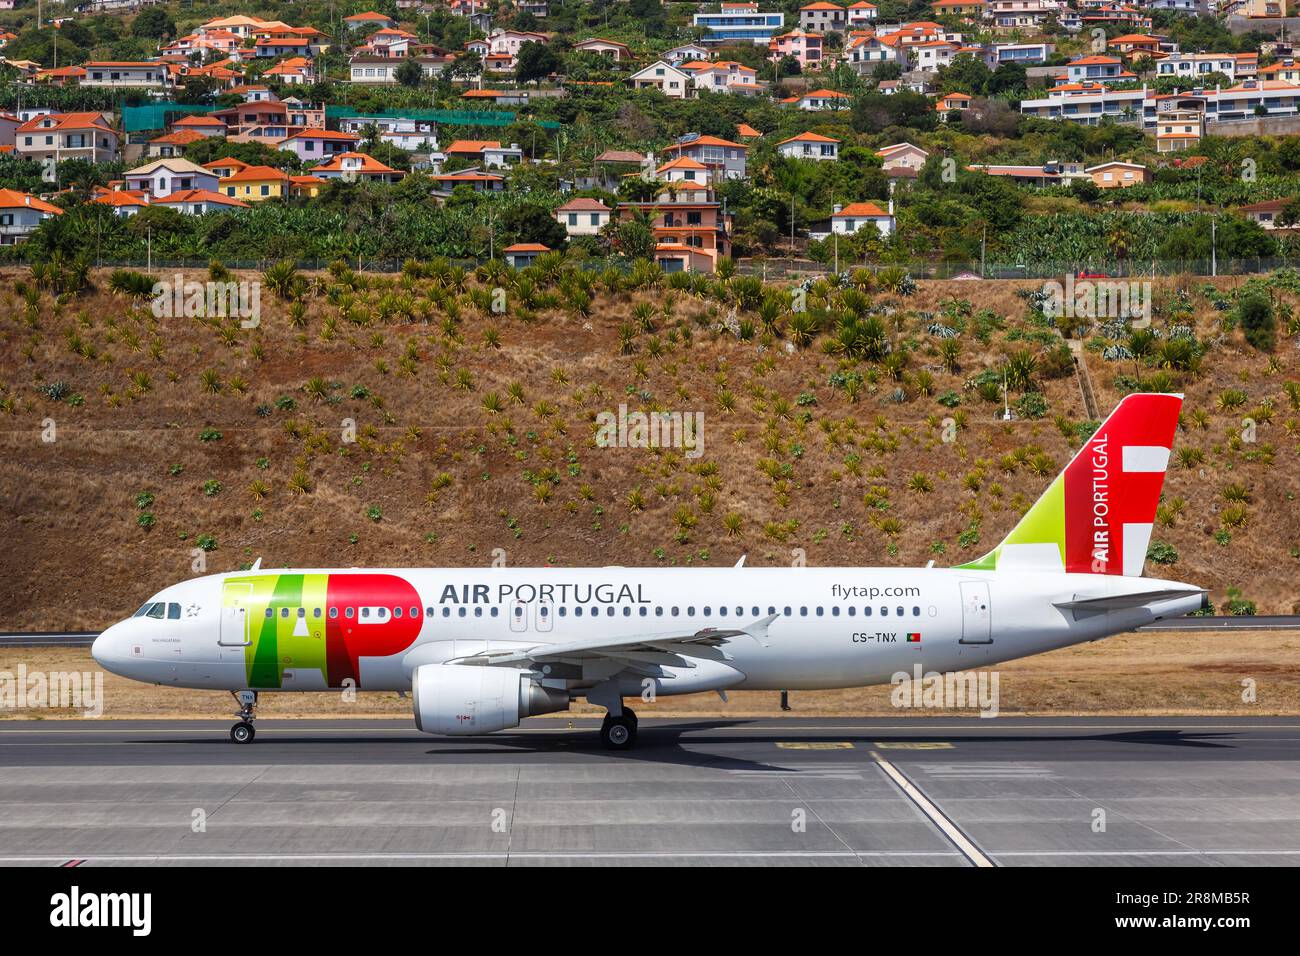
803,46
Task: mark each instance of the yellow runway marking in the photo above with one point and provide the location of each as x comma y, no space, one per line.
914,745
814,745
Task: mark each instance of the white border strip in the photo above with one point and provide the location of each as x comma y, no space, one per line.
935,815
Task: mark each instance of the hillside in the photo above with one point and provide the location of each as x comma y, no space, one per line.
823,430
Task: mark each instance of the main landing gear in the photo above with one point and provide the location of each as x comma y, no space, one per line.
243,732
619,732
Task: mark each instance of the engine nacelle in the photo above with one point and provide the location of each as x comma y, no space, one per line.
460,699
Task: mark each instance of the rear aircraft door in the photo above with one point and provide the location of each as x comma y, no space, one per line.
518,616
236,599
544,614
976,614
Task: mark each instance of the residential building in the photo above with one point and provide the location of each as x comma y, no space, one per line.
902,156
199,202
818,100
368,21
822,17
1267,213
726,159
20,214
404,132
851,219
1097,69
583,216
669,80
691,230
165,176
255,183
63,136
521,255
964,9
489,152
475,179
125,75
174,143
723,76
809,146
311,145
860,14
356,167
1118,175
618,52
803,46
740,22
1028,53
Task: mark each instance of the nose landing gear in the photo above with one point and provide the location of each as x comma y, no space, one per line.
243,732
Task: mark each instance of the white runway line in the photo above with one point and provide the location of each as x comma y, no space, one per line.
935,815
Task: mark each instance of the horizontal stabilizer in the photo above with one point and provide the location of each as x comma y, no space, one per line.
1120,602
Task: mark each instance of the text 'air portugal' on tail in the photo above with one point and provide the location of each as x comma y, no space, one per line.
1097,516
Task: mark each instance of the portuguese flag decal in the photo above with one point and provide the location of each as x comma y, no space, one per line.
914,637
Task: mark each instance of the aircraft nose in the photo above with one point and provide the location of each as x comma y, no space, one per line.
109,649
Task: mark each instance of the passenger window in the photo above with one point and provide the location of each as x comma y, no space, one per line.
460,611
302,613
381,612
853,611
819,611
627,612
349,613
866,612
157,611
270,613
659,611
284,612
365,612
755,612
690,611
674,612
397,612
519,611
900,611
315,612
415,612
803,612
787,611
609,611
577,611
478,612
707,610
884,612
428,611
916,612
835,611
494,612
446,612
564,611
334,613
544,611
644,610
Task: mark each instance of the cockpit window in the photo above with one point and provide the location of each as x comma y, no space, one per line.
157,610
144,608
173,611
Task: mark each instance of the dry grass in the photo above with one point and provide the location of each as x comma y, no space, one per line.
74,556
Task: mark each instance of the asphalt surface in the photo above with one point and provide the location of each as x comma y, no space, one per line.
941,792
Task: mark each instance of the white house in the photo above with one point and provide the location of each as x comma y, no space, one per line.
809,146
667,79
163,177
848,220
20,214
583,216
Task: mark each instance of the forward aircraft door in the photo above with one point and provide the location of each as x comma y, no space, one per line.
234,615
976,615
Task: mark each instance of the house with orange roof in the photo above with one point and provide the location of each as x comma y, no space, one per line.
1136,44
860,14
293,71
369,19
123,202
356,167
952,101
864,51
745,131
583,216
683,169
489,152
199,202
521,255
8,130
809,146
61,136
723,76
618,52
255,183
226,167
63,76
818,100
902,156
21,214
173,143
1116,174
219,73
200,123
312,145
801,45
851,219
822,16
222,42
1286,71
726,159
691,229
1096,68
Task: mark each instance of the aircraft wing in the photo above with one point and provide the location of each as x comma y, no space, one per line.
668,648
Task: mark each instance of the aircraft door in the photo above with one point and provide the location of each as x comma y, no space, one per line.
235,601
518,616
545,613
976,613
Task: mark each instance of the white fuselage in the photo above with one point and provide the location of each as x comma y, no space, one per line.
830,627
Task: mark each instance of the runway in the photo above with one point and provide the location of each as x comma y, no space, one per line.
843,792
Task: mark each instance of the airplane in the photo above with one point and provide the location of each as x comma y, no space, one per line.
481,649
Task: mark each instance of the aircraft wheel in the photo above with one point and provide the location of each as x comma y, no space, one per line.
630,714
242,732
618,733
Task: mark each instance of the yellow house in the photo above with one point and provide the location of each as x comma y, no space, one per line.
255,183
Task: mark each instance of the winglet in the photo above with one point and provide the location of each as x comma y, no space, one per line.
741,562
256,564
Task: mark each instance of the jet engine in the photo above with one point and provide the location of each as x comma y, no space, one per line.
461,699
